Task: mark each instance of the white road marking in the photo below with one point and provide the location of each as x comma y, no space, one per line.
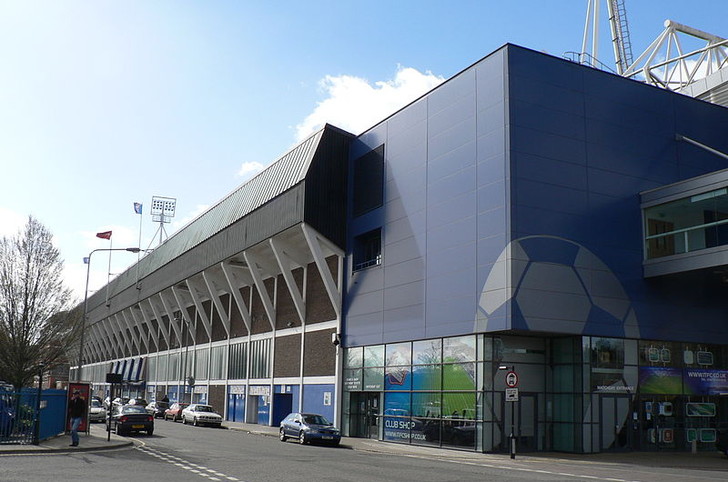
200,470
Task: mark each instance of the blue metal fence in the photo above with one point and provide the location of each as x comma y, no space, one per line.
18,414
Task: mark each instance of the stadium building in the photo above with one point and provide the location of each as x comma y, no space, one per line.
534,252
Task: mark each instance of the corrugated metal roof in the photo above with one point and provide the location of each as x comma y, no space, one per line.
277,178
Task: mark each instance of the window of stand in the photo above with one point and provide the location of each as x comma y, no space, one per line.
368,250
686,225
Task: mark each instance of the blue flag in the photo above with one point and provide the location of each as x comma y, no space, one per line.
138,208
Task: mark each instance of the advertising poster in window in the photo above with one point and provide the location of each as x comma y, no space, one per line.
660,380
705,382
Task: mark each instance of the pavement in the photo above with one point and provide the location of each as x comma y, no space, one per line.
98,439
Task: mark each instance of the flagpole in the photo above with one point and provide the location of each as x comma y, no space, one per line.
108,275
139,254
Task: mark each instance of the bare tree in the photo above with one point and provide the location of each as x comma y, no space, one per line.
36,323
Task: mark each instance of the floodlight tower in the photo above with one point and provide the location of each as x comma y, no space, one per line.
162,212
621,43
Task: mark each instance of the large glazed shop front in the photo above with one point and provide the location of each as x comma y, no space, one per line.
574,394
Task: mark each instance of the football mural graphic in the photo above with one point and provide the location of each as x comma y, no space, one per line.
555,285
552,284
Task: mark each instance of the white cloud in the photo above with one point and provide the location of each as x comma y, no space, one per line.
354,104
249,169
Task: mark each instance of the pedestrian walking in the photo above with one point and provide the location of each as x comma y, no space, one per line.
76,411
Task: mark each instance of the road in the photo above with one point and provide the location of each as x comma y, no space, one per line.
185,453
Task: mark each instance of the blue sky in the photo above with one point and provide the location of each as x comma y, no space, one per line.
103,103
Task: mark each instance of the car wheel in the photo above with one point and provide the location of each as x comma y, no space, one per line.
194,422
184,420
302,438
282,435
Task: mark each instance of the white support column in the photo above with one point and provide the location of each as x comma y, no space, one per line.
314,243
179,298
94,345
106,325
197,300
148,322
210,280
140,326
120,327
134,339
232,282
105,348
111,347
284,263
170,314
260,285
158,317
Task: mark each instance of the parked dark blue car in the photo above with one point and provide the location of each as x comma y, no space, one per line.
309,427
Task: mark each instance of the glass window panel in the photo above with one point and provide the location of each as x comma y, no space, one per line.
354,357
607,352
151,368
353,380
427,352
397,404
458,349
630,352
399,354
485,348
701,356
162,368
396,420
398,378
690,224
566,408
374,356
173,372
458,376
374,379
426,405
660,353
426,377
459,405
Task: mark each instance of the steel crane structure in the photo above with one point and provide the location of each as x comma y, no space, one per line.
666,62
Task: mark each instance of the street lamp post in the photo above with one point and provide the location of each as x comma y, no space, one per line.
85,303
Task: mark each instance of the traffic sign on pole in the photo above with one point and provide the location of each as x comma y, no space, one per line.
512,379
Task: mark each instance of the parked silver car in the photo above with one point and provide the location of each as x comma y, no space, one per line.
199,414
96,411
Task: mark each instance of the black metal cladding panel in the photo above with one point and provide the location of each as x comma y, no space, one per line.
326,187
278,215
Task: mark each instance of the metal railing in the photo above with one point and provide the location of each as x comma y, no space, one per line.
681,239
17,417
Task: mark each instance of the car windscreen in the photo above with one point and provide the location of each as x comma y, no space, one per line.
133,409
204,408
315,420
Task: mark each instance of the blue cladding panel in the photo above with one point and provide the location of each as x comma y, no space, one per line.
564,156
628,147
313,400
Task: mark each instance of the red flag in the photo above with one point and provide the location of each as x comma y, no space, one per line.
104,235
